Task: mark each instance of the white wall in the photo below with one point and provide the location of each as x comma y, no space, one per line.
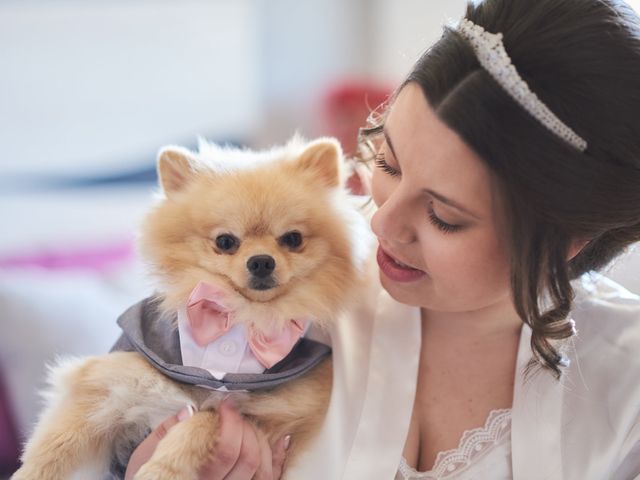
403,29
313,44
89,86
306,46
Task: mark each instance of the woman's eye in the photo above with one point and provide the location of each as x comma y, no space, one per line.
227,242
291,239
382,164
441,225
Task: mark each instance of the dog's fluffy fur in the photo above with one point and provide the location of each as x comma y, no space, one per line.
101,405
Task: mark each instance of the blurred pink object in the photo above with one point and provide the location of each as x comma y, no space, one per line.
90,258
346,108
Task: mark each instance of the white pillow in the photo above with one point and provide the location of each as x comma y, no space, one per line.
50,313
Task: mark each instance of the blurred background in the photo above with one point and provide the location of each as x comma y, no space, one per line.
89,91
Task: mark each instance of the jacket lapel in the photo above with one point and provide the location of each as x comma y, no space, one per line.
535,420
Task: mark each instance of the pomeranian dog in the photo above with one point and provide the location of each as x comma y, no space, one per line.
253,252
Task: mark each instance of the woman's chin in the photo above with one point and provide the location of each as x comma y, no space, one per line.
412,294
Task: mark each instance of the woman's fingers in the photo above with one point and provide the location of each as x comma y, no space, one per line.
143,452
228,447
243,451
278,456
265,469
249,460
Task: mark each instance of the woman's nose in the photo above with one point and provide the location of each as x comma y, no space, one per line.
392,222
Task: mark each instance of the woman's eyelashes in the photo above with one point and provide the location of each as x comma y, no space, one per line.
443,226
440,224
382,164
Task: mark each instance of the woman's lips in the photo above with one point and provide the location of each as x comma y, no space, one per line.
390,267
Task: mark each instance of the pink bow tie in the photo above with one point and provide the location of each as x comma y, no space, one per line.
209,319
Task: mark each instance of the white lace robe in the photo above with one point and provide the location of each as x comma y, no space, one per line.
483,452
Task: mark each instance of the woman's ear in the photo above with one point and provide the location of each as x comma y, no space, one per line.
174,169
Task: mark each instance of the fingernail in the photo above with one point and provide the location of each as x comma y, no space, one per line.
186,412
287,441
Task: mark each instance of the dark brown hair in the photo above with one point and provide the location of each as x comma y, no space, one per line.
582,59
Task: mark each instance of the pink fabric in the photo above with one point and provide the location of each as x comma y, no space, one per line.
270,349
209,319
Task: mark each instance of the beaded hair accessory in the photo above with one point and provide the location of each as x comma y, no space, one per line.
491,54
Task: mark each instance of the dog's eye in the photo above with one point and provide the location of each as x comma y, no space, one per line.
227,242
291,239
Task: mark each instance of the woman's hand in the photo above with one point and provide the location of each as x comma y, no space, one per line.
243,452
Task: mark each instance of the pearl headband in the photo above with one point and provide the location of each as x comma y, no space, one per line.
491,54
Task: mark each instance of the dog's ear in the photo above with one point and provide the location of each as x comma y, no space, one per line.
174,169
324,158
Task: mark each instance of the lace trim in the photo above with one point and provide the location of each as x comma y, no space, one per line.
473,444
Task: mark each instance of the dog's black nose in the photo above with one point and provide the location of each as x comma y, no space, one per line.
261,266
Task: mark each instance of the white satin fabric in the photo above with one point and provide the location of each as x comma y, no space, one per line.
585,427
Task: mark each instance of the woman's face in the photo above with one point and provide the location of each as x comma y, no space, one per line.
437,214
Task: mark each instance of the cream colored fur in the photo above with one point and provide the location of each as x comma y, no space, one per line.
100,404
